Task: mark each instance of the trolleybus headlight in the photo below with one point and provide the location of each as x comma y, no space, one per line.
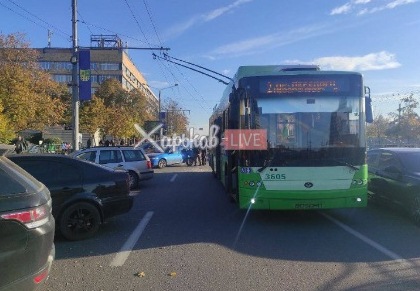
358,199
252,200
357,182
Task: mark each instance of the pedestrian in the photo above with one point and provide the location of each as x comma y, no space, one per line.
89,143
197,158
63,148
203,156
20,145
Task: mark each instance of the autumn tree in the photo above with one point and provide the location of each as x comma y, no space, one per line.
6,134
92,115
112,93
176,120
378,128
141,109
122,109
405,123
28,96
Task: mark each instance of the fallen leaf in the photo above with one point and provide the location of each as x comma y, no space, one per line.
172,274
141,274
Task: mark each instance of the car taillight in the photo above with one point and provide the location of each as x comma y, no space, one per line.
39,278
149,164
32,218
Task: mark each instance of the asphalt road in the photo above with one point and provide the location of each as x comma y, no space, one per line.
184,234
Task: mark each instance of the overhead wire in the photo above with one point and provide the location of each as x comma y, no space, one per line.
157,36
168,68
44,24
161,64
111,31
48,27
137,22
81,18
152,22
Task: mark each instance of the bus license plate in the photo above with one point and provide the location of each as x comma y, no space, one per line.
308,205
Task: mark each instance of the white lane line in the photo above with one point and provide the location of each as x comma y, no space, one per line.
174,177
126,249
367,240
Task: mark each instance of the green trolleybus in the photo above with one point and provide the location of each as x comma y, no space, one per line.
292,137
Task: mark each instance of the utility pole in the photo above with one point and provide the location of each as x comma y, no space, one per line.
75,90
161,89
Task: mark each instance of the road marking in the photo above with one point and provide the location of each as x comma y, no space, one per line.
174,177
126,249
367,240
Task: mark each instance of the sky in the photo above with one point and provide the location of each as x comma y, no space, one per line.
379,38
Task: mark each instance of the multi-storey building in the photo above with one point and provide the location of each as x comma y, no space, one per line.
108,60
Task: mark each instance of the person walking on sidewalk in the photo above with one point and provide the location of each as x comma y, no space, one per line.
20,145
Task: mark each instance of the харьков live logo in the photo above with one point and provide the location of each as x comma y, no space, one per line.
245,139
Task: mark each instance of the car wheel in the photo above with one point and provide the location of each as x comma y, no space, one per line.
80,221
134,180
415,210
162,163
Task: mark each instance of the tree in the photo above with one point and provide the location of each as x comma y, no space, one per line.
176,119
112,93
92,115
29,98
6,134
405,125
377,129
120,109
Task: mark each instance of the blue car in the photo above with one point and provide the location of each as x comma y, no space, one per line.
171,156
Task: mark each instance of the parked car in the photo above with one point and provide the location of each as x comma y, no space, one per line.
394,176
133,160
171,156
83,194
150,148
26,228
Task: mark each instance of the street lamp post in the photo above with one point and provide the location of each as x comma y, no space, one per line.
161,89
75,89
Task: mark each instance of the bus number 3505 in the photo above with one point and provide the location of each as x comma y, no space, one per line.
275,176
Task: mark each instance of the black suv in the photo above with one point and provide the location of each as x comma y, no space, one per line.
26,228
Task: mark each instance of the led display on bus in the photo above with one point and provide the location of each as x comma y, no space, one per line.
311,85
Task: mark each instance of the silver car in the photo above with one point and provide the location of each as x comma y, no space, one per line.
133,160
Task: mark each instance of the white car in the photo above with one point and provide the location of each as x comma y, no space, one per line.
133,160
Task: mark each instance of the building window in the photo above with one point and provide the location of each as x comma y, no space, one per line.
62,78
56,66
44,65
101,78
105,66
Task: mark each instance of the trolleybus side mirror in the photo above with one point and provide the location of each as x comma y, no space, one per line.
368,106
369,110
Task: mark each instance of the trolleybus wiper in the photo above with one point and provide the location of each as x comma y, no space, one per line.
353,167
269,161
265,166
